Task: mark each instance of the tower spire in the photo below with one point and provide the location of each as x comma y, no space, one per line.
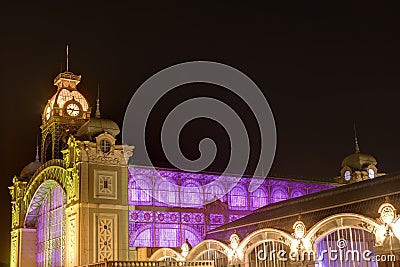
97,114
356,140
37,148
67,60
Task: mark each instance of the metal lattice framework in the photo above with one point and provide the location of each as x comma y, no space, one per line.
147,186
50,228
37,202
56,135
54,170
340,221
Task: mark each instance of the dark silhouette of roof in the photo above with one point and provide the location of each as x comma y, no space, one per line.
363,198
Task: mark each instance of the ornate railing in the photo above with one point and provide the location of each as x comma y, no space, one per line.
152,264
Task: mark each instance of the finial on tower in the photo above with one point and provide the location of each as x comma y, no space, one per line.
356,140
67,60
67,79
97,114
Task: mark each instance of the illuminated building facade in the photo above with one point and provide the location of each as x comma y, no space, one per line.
352,225
186,217
82,203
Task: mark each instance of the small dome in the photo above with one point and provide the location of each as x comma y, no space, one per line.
30,169
359,161
97,126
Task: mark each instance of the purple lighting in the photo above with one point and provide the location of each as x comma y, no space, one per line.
259,198
50,229
186,214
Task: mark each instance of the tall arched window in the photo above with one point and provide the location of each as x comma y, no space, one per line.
167,235
140,192
214,192
297,193
351,242
278,195
192,195
51,229
144,239
190,236
258,198
238,198
167,193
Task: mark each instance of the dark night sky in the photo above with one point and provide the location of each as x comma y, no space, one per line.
321,68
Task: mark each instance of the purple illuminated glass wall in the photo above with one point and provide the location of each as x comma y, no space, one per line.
51,230
186,214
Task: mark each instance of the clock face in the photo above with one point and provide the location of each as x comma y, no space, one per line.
48,111
73,109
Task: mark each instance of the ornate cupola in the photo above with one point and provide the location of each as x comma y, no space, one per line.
28,171
65,112
358,166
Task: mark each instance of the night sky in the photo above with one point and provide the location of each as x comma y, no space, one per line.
321,68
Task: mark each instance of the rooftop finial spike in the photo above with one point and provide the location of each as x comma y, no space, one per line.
356,140
67,60
97,114
37,148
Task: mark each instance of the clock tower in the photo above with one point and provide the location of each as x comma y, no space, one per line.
63,115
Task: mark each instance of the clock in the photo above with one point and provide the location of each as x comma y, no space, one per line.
48,113
73,109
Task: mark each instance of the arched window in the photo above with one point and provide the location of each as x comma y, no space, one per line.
351,242
191,195
167,193
278,195
167,237
190,236
140,192
105,145
258,198
214,192
238,198
347,175
297,193
144,239
371,173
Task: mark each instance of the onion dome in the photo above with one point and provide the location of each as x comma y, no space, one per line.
358,161
30,169
96,126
